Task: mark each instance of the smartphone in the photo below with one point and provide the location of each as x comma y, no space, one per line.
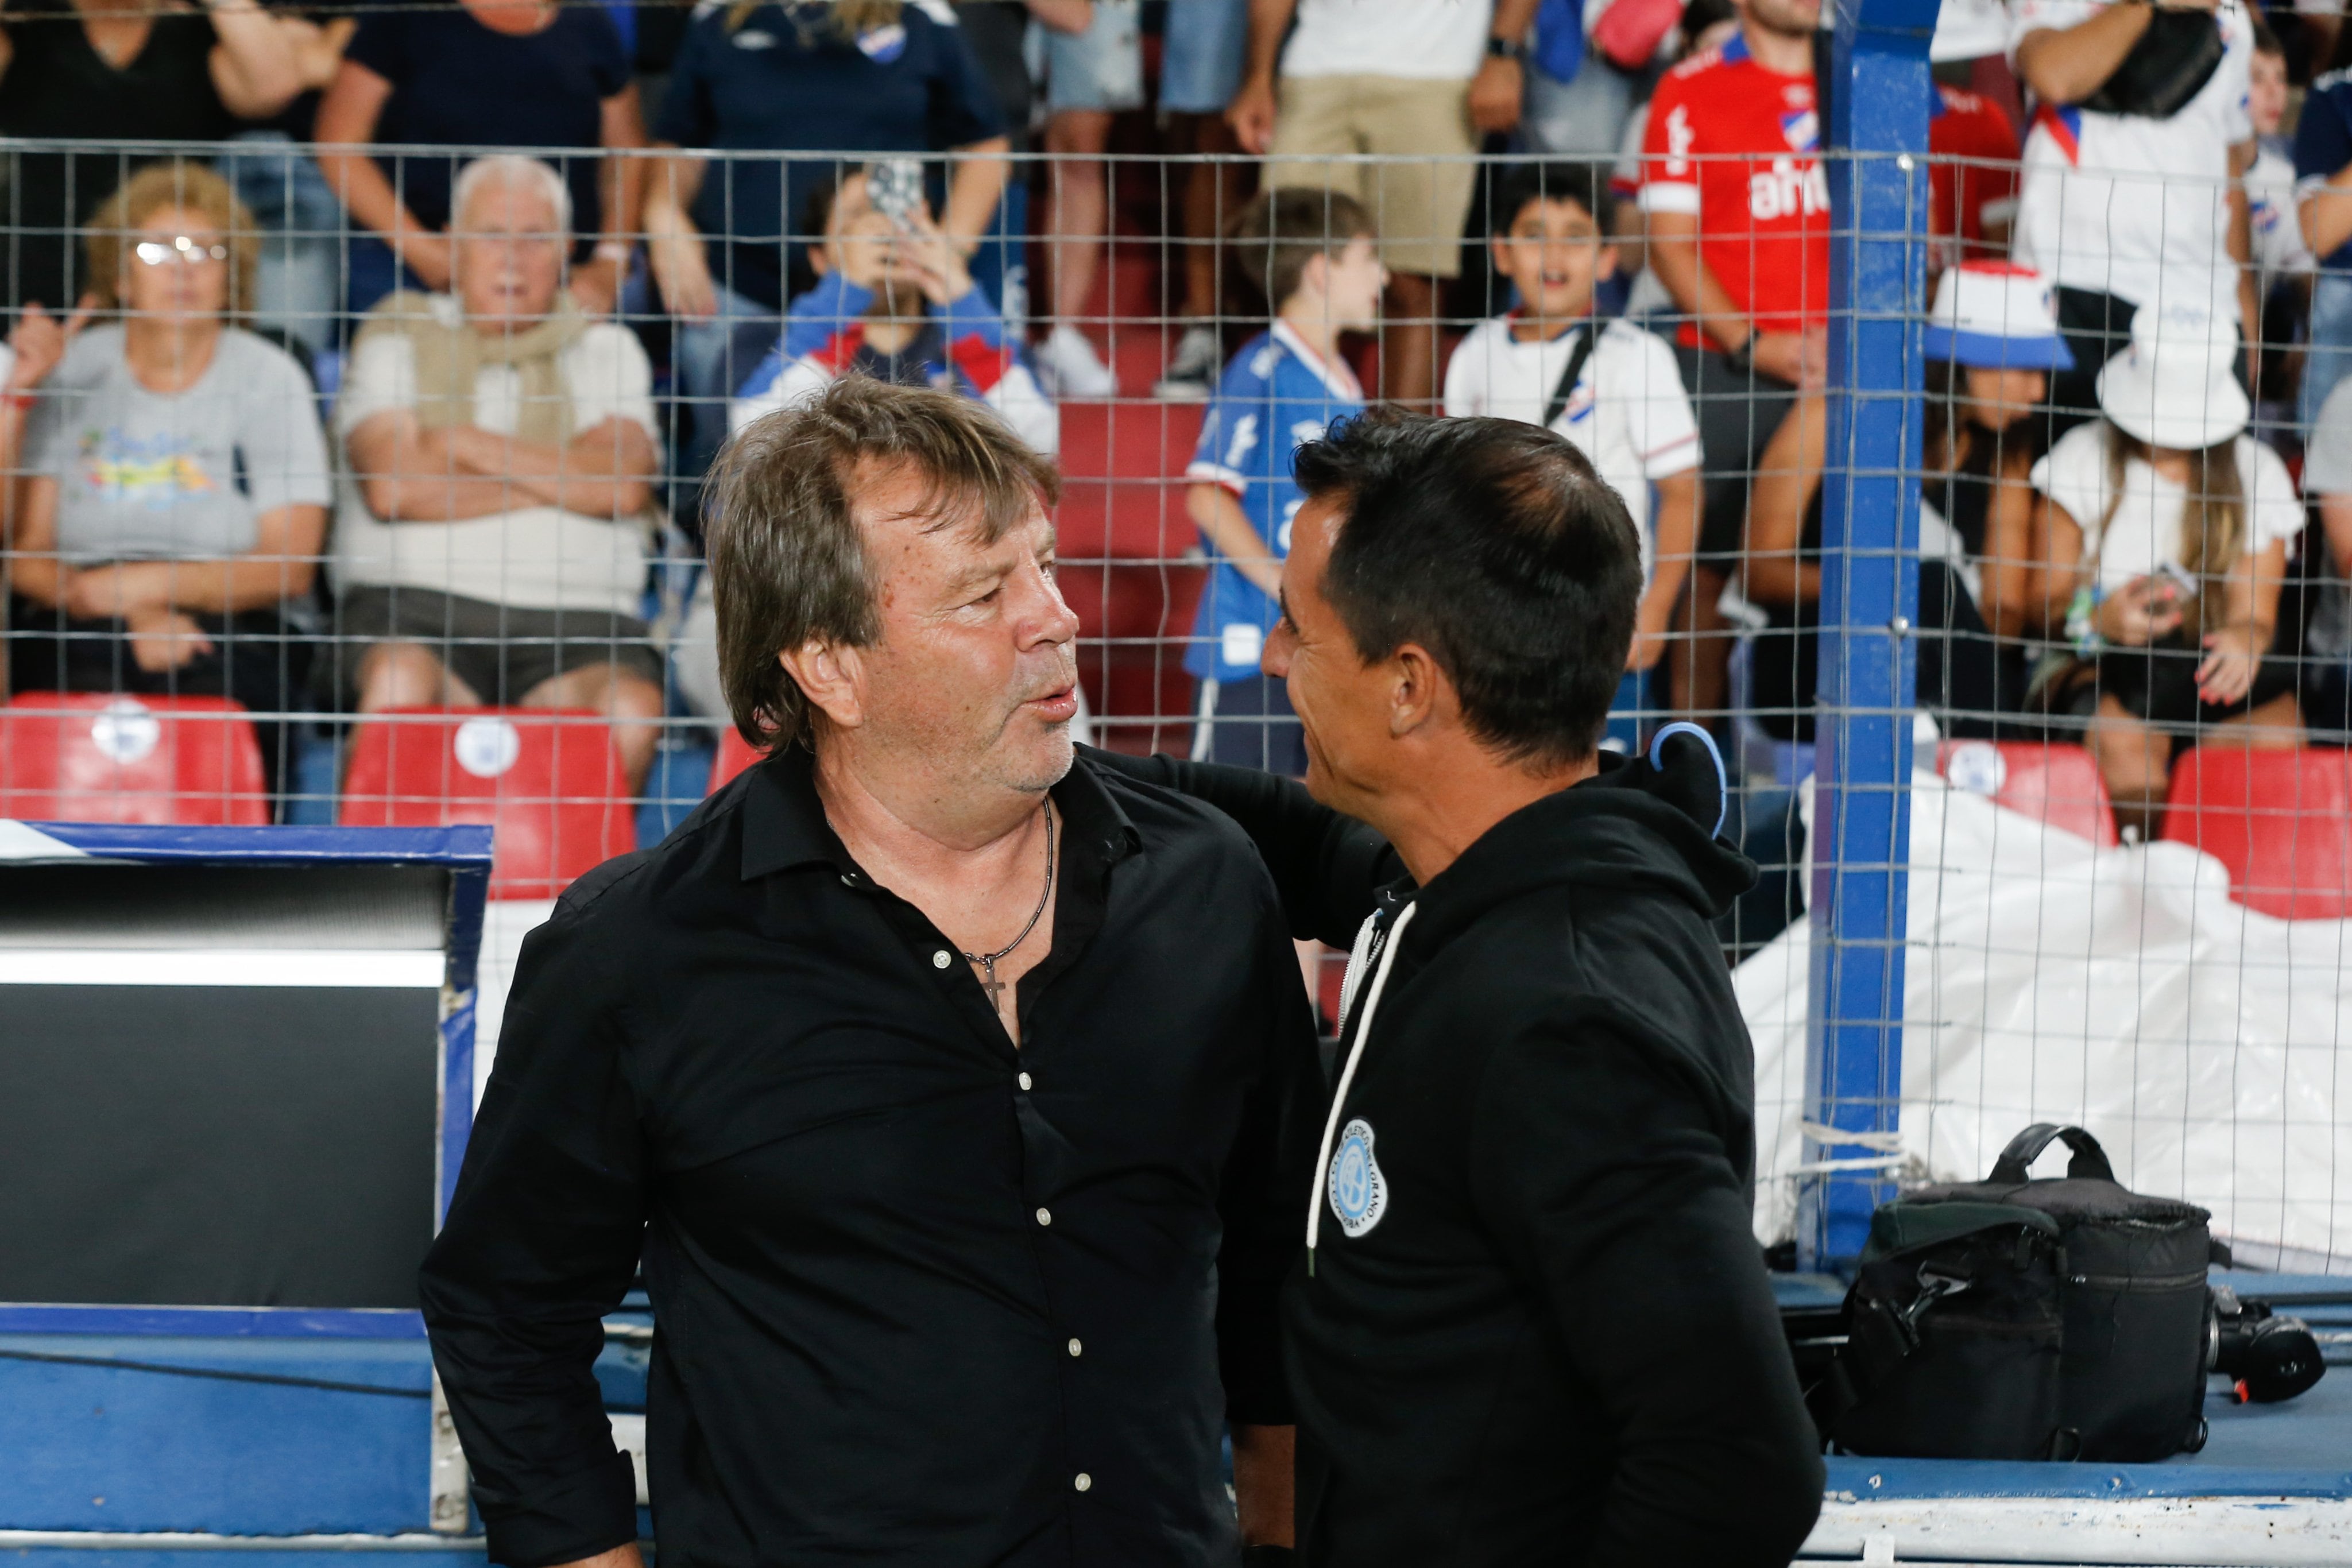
895,186
2173,583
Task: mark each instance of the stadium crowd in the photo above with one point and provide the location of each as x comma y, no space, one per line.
480,388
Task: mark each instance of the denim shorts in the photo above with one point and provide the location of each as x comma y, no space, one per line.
1100,69
2330,354
282,188
1248,723
1206,47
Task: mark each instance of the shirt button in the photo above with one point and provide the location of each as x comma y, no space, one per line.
1076,1348
847,880
1022,1080
940,960
1044,1216
1083,1481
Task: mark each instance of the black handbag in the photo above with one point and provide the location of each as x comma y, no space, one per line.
2013,1318
2170,65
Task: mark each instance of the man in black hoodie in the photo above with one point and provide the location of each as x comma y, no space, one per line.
1532,1326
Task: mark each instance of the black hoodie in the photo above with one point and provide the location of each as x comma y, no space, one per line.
1536,1328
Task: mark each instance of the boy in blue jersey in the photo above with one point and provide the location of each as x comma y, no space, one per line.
1314,252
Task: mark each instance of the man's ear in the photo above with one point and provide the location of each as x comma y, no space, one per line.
1419,692
1606,265
831,677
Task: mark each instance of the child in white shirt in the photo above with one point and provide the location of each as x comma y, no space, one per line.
2168,526
1623,407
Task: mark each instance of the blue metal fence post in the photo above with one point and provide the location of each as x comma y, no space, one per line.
1877,98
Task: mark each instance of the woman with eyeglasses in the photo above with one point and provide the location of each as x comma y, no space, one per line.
169,502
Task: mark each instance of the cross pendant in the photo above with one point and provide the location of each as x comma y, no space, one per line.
993,986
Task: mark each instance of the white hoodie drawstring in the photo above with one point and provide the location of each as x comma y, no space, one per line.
1348,1076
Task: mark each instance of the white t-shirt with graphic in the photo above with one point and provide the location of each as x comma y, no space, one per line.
1628,411
2146,530
535,557
1435,40
2131,206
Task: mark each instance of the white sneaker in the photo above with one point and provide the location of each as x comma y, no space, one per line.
1072,368
1192,372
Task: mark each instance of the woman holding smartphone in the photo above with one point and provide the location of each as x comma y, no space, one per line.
2168,530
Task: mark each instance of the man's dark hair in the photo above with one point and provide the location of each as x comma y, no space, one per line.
1493,544
2266,42
1586,185
1279,233
788,558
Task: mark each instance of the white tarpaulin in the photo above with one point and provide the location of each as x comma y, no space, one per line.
2206,1047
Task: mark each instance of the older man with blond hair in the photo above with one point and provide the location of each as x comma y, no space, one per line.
490,535
964,1156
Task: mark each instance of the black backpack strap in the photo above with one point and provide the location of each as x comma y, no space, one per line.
1880,1337
1567,387
2090,1161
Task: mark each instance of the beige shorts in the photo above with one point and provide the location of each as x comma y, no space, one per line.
1420,200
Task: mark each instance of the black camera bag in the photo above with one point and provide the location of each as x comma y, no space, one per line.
1948,1353
1953,1337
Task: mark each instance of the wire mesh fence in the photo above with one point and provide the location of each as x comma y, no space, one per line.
314,521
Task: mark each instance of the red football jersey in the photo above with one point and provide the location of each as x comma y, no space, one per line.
1972,176
1737,147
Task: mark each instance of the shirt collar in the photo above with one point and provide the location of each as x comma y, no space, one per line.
1338,379
1562,336
784,825
784,821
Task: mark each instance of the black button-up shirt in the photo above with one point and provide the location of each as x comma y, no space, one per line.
921,1297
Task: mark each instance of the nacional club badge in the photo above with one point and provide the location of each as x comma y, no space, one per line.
1359,1194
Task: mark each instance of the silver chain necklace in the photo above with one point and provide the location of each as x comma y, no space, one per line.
987,961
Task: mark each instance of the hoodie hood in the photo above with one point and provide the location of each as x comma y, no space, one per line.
1631,827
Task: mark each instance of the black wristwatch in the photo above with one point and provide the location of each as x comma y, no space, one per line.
1508,49
1265,1557
1743,358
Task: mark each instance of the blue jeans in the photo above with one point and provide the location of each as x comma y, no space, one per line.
1248,723
2329,356
298,286
1583,118
1100,69
374,273
712,357
1207,45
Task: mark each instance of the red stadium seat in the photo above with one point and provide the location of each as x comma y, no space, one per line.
1133,618
93,758
2280,821
2059,785
549,781
1123,480
735,754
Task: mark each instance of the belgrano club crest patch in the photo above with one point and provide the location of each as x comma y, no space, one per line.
1359,1194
